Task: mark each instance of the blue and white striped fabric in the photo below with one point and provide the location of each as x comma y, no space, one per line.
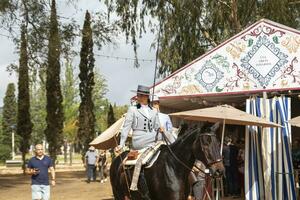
268,162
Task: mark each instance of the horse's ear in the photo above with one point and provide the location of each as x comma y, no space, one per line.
215,127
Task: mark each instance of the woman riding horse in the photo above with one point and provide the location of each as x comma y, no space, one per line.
144,122
167,179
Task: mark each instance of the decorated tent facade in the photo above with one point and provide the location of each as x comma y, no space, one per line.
262,58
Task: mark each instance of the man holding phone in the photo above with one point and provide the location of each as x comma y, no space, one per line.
38,169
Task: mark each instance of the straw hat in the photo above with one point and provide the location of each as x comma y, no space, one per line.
92,148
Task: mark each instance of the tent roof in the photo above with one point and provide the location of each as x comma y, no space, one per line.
256,59
108,139
228,113
295,121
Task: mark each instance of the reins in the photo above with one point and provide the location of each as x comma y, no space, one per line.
126,178
184,165
176,158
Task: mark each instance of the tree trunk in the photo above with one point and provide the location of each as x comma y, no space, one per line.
65,153
71,154
234,12
24,162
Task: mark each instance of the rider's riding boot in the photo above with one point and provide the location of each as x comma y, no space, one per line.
143,188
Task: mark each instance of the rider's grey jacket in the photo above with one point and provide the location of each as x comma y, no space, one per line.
144,122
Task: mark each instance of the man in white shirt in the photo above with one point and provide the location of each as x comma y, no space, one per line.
164,120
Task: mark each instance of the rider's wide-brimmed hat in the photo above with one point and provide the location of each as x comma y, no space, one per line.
141,89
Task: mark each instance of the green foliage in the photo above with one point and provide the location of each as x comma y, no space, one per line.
55,116
5,152
119,111
9,114
70,103
186,29
110,116
1,131
24,125
286,12
35,15
86,130
8,119
100,103
38,110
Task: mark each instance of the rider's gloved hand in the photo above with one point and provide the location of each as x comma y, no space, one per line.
161,130
118,149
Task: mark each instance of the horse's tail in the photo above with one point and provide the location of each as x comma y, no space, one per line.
115,176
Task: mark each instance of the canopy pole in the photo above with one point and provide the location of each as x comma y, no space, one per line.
222,140
265,96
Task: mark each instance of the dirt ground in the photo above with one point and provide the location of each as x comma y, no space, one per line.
69,186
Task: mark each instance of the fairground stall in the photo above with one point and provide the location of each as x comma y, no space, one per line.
257,70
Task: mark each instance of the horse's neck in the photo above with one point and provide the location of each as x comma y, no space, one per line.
184,152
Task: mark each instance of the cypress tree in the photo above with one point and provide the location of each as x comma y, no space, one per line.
86,130
110,116
24,125
55,116
9,116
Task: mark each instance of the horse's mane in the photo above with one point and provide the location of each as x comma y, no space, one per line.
185,133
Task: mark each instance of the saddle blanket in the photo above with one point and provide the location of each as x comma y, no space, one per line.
149,155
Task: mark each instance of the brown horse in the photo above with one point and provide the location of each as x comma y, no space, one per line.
167,179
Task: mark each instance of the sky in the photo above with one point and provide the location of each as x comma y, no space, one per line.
120,74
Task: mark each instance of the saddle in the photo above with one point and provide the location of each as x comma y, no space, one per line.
132,155
151,154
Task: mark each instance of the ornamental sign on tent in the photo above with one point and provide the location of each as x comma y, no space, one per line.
263,57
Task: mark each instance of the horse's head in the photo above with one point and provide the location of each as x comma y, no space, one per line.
206,148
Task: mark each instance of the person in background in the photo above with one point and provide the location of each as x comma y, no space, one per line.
38,169
241,164
226,162
233,168
296,161
102,163
296,154
164,120
91,162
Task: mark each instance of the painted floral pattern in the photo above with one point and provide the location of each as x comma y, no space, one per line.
291,43
265,56
236,48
